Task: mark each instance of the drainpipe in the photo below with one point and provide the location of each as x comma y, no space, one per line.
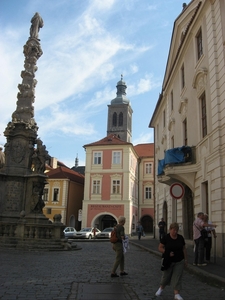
139,162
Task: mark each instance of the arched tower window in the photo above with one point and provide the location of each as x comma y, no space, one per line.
114,120
121,119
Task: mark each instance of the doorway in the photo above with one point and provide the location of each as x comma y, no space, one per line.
147,223
106,221
188,213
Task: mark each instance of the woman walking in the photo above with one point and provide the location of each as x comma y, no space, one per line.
172,246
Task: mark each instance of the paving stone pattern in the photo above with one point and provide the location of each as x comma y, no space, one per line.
85,275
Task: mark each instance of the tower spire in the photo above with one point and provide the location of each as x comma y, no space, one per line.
76,161
121,93
120,113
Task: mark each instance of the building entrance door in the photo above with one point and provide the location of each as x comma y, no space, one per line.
107,221
147,223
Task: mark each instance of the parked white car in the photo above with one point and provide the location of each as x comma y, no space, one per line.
105,234
70,232
87,233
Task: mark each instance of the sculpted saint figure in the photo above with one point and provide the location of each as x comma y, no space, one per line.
36,24
2,158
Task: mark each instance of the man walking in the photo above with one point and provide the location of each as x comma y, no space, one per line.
139,230
161,225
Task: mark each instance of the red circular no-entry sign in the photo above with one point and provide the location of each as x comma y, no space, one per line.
177,190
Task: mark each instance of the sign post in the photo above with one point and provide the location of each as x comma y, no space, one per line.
177,190
80,215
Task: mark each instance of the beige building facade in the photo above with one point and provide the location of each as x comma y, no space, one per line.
189,121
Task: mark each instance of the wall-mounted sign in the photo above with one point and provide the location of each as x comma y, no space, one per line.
177,190
80,215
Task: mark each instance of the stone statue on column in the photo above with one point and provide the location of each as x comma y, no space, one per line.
36,24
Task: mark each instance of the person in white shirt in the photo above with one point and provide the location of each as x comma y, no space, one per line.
198,225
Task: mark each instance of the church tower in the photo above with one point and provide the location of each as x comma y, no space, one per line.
120,114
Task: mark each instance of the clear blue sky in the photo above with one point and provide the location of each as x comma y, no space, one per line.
87,45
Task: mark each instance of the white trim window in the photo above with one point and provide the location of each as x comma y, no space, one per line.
148,168
97,158
182,77
204,115
116,186
96,186
116,157
148,192
55,197
199,44
45,195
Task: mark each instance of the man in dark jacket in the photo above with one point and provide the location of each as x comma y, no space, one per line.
161,225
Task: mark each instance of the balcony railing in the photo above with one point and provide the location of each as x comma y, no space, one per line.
177,156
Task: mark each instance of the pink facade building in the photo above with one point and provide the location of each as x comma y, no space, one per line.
119,176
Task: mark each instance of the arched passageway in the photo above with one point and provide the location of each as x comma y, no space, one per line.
104,221
147,223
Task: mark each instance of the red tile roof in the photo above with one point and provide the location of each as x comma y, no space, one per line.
59,164
145,150
63,172
111,139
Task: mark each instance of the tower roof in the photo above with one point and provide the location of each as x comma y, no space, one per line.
121,93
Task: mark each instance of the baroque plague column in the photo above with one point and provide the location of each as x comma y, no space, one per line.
22,178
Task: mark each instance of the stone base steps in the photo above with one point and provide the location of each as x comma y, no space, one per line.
37,244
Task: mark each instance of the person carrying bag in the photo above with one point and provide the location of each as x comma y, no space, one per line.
174,259
199,240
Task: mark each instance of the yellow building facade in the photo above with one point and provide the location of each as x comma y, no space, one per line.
63,195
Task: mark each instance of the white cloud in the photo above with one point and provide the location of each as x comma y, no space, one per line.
144,138
101,98
102,5
66,121
133,68
143,85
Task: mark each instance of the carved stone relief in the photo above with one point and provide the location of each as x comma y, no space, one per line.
18,152
200,81
183,106
171,123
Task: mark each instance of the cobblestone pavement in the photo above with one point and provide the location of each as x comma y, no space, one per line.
213,273
85,275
